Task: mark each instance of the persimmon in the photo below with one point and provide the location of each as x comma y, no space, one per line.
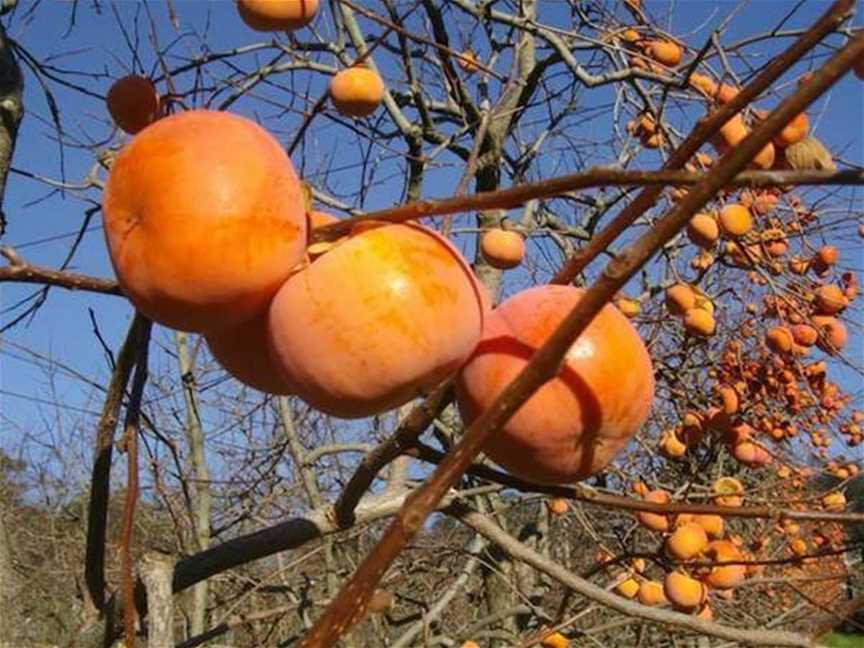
795,131
576,423
680,298
735,131
705,613
665,52
735,220
555,640
628,307
357,91
751,454
242,350
798,266
558,506
651,593
502,249
204,219
805,335
390,311
627,588
277,15
712,524
723,577
703,230
655,521
133,103
686,541
779,339
832,331
730,399
703,83
726,93
671,445
798,546
470,644
728,492
834,501
683,591
699,321
830,300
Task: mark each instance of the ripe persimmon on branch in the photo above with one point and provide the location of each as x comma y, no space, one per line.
607,393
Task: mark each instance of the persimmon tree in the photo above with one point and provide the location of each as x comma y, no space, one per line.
512,323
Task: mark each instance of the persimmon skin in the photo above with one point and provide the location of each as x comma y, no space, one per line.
356,91
133,103
243,352
204,219
502,249
389,312
277,15
576,423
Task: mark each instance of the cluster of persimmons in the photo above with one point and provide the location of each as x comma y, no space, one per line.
211,235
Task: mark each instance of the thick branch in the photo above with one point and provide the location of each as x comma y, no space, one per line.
594,177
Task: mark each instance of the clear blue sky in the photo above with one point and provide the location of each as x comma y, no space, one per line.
40,221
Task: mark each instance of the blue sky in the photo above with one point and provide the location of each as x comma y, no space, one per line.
41,221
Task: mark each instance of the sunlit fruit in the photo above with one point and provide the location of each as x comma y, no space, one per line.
651,593
357,91
204,219
829,299
555,640
133,103
834,501
365,327
703,230
680,298
665,52
735,220
699,321
724,576
805,335
795,131
655,521
686,541
684,592
712,524
502,249
751,454
243,351
277,15
671,445
576,423
779,339
558,506
627,588
833,334
629,307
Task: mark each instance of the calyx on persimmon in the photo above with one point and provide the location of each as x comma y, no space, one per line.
576,423
204,220
384,314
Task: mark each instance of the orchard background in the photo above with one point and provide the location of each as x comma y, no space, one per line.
562,87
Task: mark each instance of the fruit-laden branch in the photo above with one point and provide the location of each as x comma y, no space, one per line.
587,494
100,479
349,605
513,197
575,264
488,529
20,271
